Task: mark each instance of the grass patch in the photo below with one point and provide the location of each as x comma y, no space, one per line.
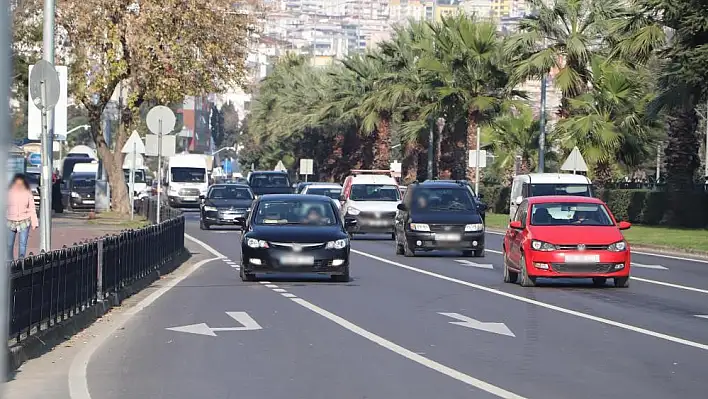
648,236
118,220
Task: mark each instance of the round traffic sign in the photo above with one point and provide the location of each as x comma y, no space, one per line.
44,77
161,120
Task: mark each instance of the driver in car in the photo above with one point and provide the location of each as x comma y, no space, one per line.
314,216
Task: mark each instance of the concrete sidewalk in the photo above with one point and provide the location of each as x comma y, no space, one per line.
69,229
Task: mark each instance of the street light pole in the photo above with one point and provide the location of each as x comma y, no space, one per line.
542,126
431,144
45,210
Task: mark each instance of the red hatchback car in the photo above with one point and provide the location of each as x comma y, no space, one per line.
565,237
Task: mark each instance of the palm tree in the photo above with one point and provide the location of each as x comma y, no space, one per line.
608,123
563,36
466,73
516,134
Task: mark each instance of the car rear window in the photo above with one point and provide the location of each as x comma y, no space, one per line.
541,190
269,180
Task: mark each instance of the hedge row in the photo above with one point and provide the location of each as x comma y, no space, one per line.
636,206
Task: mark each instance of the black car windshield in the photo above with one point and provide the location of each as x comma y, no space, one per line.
443,200
83,183
570,214
230,193
188,175
375,192
333,193
541,190
295,212
269,181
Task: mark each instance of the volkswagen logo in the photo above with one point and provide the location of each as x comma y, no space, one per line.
378,214
297,248
581,247
448,228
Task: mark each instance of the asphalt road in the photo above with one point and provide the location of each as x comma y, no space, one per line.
389,333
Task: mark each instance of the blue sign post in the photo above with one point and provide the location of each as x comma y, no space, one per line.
227,165
34,159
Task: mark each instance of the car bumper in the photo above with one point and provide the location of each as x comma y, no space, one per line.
374,226
426,241
328,262
555,265
179,202
78,203
223,219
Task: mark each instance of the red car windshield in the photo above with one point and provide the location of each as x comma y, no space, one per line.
570,214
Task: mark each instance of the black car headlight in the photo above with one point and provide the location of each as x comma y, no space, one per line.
339,244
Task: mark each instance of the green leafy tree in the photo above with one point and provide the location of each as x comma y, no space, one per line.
157,51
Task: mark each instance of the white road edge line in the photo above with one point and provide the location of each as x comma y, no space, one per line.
205,246
410,355
642,253
467,379
78,383
542,304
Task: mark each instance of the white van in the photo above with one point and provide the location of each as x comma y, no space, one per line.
140,187
371,197
187,179
542,184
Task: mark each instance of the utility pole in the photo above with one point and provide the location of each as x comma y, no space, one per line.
706,159
542,126
658,162
5,72
431,152
45,216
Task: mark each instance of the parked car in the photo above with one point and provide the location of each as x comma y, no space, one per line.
568,237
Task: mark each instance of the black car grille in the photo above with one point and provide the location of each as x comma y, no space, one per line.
583,267
446,228
293,246
574,247
189,192
377,215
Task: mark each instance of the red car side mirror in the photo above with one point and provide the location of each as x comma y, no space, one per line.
624,225
515,225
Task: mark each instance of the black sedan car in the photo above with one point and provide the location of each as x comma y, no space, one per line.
225,205
291,233
438,215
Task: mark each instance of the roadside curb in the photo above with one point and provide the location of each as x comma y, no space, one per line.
42,342
649,249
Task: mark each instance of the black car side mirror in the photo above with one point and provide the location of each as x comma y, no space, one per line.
480,195
402,207
350,222
342,198
202,197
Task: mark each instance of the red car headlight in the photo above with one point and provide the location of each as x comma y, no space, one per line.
537,245
618,246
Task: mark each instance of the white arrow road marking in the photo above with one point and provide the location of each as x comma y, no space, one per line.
497,328
702,316
470,263
656,267
246,321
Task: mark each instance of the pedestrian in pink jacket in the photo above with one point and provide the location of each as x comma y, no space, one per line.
21,214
